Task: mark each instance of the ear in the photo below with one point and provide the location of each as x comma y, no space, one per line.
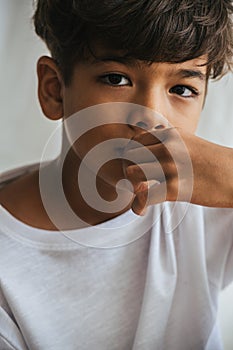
50,85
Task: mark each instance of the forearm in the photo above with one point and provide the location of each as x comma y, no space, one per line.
213,176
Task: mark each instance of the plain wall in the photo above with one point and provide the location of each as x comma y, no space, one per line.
24,130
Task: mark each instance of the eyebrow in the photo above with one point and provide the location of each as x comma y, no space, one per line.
191,73
184,73
120,59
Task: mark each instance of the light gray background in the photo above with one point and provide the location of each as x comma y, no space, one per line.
24,130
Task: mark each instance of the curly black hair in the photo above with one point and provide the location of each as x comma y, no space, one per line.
148,30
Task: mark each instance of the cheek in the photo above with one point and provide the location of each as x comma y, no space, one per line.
74,101
189,124
195,117
100,154
99,145
186,116
79,98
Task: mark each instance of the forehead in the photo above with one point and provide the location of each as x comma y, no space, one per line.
195,67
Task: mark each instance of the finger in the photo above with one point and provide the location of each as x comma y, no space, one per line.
151,137
147,154
144,172
142,139
153,195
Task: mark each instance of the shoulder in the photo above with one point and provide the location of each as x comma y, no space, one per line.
20,196
12,175
15,185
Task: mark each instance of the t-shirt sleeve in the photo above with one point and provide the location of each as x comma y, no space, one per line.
218,223
10,336
225,245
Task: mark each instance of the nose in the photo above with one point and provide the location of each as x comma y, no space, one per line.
145,118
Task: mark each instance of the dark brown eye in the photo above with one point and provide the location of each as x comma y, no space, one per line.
183,91
115,79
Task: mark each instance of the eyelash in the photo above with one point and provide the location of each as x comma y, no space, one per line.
104,77
194,92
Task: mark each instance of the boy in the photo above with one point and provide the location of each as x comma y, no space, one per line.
115,280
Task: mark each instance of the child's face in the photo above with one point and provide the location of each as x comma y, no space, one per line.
177,91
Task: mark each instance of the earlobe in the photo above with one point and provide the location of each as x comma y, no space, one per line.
50,85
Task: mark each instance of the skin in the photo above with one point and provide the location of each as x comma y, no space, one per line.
177,91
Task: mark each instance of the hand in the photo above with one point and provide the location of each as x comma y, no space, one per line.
170,165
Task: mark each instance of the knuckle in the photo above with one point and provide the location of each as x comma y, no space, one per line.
129,171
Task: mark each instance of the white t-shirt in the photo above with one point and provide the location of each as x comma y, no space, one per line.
155,287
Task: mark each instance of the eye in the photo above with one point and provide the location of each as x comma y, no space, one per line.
116,79
184,91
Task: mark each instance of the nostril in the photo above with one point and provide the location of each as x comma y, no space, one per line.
159,126
141,125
